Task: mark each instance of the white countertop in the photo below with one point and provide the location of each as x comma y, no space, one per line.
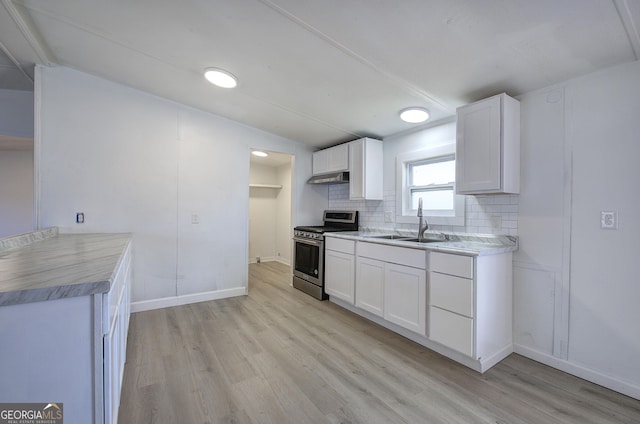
46,265
461,244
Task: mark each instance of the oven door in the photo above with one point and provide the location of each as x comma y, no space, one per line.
308,257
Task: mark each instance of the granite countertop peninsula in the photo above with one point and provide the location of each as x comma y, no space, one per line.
47,265
458,243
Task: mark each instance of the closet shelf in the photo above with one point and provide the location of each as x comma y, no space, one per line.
265,186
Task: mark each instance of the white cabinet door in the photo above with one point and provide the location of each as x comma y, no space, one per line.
320,162
333,159
488,146
478,146
405,297
339,275
365,169
370,276
338,158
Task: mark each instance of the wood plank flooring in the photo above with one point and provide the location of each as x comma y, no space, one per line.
280,356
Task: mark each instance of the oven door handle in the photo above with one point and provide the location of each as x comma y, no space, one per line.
307,241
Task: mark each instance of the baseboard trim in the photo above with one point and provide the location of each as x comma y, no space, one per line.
486,363
283,261
167,302
270,259
626,388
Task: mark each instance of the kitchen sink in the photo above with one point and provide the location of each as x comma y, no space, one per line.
394,237
405,238
426,240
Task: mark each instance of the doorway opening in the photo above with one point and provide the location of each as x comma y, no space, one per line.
270,208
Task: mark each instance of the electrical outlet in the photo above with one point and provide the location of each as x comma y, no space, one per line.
80,218
388,216
195,218
609,220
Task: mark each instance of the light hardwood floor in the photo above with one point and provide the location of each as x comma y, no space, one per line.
280,356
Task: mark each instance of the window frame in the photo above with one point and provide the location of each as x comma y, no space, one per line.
404,212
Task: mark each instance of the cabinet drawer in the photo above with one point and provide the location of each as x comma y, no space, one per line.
415,258
446,263
340,245
451,330
451,293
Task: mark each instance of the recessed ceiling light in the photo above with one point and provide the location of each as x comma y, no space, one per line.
414,115
220,77
260,153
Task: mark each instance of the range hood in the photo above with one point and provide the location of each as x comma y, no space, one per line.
333,178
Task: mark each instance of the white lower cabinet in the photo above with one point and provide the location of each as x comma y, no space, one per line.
391,282
451,301
470,304
455,304
370,278
405,294
115,341
71,350
339,265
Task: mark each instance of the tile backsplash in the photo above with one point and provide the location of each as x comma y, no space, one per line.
486,214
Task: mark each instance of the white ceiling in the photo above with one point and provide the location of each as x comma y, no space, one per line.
274,159
321,72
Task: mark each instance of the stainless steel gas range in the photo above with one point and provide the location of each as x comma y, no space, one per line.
308,252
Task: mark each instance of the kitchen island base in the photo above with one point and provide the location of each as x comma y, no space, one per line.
64,317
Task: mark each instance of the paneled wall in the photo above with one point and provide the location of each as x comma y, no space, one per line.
175,177
576,286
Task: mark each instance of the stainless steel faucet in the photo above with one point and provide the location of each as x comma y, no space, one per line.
421,222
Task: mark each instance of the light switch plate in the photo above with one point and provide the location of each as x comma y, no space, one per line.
609,220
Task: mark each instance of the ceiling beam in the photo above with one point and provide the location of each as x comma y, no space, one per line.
631,23
30,33
17,64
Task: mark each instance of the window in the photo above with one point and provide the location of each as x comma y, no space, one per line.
433,181
429,175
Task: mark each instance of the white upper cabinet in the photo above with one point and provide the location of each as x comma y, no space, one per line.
365,169
488,146
333,159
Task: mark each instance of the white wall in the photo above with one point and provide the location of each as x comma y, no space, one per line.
283,215
575,289
604,132
16,192
16,113
137,163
